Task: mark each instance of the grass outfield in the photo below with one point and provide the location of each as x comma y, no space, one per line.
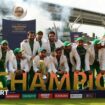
53,101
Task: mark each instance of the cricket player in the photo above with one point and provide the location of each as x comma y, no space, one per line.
60,62
30,47
52,43
67,52
94,59
43,64
5,56
18,65
40,39
81,56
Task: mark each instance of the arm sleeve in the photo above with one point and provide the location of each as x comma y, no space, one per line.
12,67
26,66
77,58
66,64
102,59
51,66
91,54
35,68
24,52
87,64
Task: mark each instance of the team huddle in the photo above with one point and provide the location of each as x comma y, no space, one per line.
38,55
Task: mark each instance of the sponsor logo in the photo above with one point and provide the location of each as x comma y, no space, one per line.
45,96
89,95
76,95
28,96
12,96
3,92
61,95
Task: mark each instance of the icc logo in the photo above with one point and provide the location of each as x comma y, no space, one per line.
19,12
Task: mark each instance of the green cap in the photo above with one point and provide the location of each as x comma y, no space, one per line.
96,41
17,50
79,39
4,42
41,49
66,43
101,42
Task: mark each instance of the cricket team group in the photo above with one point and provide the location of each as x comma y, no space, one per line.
39,55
